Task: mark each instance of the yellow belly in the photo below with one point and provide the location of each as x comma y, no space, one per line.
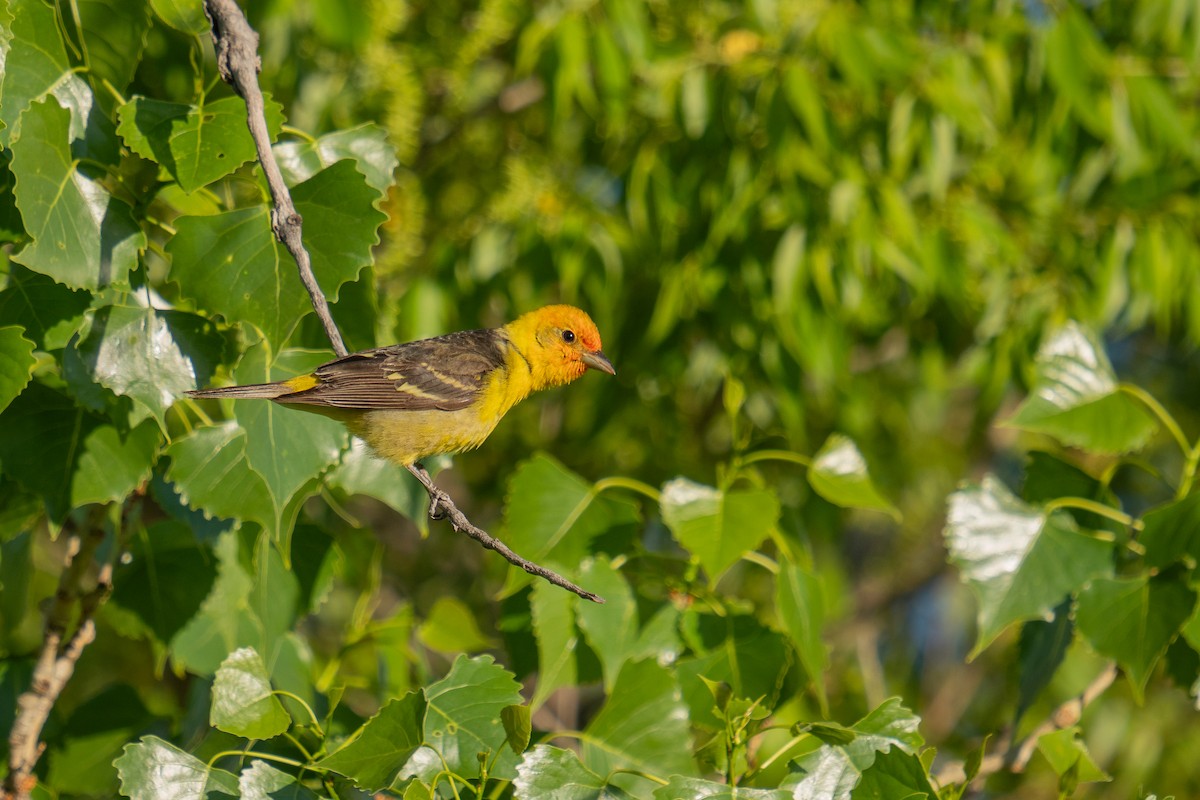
406,437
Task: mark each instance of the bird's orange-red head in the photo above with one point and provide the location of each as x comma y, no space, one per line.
561,343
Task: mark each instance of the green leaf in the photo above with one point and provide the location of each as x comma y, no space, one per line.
717,527
464,720
681,788
230,264
242,701
642,726
1076,398
611,630
557,640
210,473
551,515
82,235
166,577
895,775
114,36
253,603
450,627
366,144
286,446
152,769
1066,752
261,781
518,728
49,312
182,15
35,62
16,363
801,609
66,455
377,751
363,472
1048,478
1042,647
1132,620
196,144
736,649
1172,532
549,773
150,356
836,768
839,474
1019,561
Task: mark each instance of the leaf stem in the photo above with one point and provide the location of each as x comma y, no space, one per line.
755,557
640,774
775,455
632,484
1164,416
1083,504
291,762
315,722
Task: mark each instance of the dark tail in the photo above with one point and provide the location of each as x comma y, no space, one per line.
260,391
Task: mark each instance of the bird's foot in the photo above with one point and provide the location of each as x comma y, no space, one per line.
435,506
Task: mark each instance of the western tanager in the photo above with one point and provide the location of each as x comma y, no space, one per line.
445,394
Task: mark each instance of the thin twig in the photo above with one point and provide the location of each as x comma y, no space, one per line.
1017,757
56,663
441,506
237,60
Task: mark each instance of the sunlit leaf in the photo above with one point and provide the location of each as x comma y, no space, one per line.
552,515
550,773
839,474
717,527
36,60
183,15
464,719
1132,620
833,771
152,769
242,701
210,473
197,144
1019,561
681,788
82,235
1076,398
261,781
377,751
367,145
230,263
150,356
642,726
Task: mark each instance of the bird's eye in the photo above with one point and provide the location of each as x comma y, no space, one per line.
568,336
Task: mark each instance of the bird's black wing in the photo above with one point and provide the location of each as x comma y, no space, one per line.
447,373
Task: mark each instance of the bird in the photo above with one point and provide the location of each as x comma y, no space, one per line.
441,395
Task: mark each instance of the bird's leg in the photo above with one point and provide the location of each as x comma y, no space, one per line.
436,496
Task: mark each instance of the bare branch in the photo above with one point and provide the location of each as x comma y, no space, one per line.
1017,757
56,663
440,505
237,60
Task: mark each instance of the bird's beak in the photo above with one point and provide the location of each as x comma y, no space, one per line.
598,360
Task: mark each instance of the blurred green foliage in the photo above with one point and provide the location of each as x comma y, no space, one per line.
815,235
